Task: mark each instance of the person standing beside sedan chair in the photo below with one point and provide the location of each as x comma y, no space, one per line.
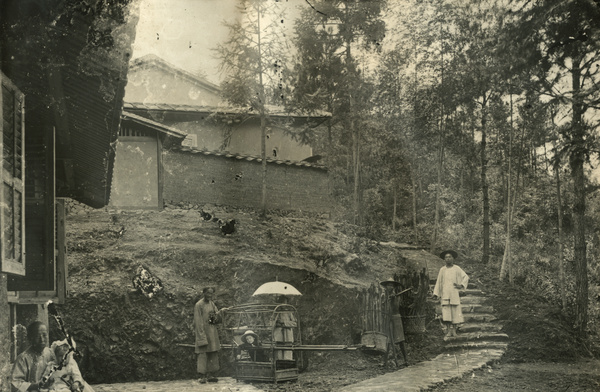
207,346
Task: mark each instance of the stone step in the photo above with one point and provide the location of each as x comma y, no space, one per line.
470,308
467,292
475,308
473,299
480,327
469,299
477,336
480,344
479,317
463,292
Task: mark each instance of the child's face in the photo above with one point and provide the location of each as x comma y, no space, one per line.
250,339
60,352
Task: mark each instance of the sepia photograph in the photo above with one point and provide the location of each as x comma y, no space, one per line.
299,195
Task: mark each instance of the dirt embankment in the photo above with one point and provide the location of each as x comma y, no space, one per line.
125,336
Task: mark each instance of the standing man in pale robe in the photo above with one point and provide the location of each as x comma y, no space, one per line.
206,318
451,278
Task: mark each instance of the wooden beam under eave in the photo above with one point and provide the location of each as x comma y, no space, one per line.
61,252
60,112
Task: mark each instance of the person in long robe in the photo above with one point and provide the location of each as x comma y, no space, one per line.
450,280
206,318
283,333
30,365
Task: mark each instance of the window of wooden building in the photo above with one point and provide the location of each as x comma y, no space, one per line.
12,200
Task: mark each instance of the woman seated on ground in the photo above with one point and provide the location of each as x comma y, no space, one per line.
30,364
68,377
249,349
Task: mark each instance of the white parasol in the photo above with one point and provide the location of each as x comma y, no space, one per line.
276,288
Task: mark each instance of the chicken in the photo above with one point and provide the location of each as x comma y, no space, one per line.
205,215
227,226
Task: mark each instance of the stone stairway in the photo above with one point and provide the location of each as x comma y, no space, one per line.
481,328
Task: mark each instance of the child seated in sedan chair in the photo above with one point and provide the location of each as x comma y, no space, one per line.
249,348
68,378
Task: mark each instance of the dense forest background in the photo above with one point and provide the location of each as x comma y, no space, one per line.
454,123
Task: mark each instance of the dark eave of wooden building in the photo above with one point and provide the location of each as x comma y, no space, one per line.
170,131
71,60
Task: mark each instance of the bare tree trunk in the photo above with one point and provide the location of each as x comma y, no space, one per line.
546,156
395,204
356,170
436,224
414,202
561,262
355,136
507,258
414,173
485,258
263,124
533,160
263,155
577,160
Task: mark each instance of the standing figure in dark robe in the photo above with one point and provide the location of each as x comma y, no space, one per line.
206,318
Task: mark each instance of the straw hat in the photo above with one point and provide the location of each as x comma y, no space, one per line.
444,253
249,333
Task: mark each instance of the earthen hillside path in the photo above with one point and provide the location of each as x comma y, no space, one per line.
479,343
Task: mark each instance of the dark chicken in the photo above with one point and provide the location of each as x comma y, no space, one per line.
227,226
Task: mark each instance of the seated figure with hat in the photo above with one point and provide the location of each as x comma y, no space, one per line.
250,348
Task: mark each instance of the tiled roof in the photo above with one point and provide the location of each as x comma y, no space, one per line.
275,111
154,125
250,158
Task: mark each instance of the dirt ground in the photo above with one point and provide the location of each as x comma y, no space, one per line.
329,263
583,375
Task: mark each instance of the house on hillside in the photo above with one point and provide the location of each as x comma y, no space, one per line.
176,98
184,115
63,71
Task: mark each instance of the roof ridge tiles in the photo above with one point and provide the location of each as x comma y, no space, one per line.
227,154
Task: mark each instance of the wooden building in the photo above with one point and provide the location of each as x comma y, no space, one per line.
63,73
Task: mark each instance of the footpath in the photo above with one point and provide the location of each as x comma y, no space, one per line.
225,384
480,342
